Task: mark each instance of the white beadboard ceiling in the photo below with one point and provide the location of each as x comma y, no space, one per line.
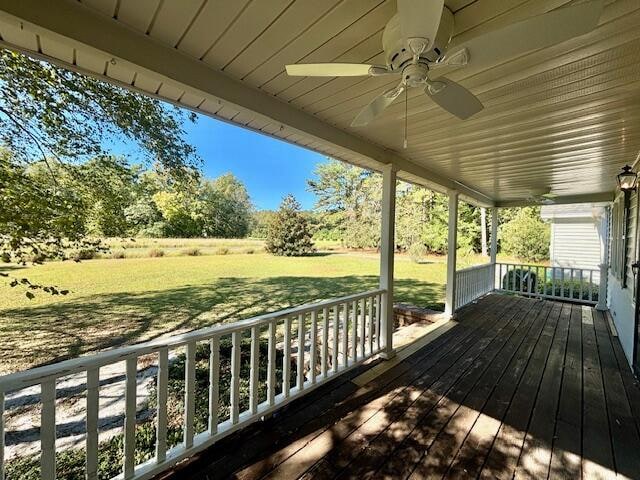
564,118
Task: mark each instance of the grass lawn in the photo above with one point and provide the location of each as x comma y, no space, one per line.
117,302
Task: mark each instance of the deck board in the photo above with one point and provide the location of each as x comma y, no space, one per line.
518,387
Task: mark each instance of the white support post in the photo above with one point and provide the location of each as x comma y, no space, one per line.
483,230
493,252
449,308
387,248
604,260
494,235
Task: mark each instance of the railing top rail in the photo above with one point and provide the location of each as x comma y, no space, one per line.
474,267
27,378
527,265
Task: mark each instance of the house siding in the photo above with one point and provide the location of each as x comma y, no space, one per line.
575,244
622,298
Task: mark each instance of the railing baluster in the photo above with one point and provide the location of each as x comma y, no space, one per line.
378,320
301,346
571,283
324,353
345,335
591,285
354,330
189,394
163,390
235,376
48,430
313,349
336,337
1,435
286,359
363,325
93,382
271,364
130,416
371,325
214,384
553,281
520,268
581,283
562,282
254,373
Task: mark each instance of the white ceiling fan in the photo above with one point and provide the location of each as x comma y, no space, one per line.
416,41
542,197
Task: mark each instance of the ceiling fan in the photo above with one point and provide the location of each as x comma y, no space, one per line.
542,197
416,42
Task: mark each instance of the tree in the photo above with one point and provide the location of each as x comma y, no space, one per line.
349,202
288,232
226,208
260,221
60,118
526,236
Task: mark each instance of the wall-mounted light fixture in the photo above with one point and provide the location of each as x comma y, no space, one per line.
627,179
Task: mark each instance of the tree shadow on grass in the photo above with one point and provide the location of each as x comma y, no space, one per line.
47,334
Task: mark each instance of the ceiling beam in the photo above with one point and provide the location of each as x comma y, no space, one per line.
71,21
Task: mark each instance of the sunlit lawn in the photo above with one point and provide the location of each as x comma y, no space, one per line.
116,302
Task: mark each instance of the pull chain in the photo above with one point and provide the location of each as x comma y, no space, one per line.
406,101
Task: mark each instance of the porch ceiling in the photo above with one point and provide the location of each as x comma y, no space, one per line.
563,119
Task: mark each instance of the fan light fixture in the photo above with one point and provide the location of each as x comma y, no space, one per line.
627,179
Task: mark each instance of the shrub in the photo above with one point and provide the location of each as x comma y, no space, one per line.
526,236
417,252
191,252
156,252
38,258
249,251
288,232
221,251
83,254
119,254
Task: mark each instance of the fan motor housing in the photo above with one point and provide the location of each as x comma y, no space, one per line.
396,53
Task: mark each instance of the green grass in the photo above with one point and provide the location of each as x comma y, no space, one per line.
117,302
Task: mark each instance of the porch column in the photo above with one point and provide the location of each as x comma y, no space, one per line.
604,260
449,307
493,252
387,248
494,235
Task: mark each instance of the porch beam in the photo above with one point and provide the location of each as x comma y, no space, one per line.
71,23
561,200
452,247
387,249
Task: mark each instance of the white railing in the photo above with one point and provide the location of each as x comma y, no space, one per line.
581,285
330,337
472,283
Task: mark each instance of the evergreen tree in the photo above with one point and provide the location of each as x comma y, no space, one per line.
288,233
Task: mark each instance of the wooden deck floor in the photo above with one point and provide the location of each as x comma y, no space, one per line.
520,387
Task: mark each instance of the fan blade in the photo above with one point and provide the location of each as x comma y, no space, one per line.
531,34
420,19
334,70
377,106
453,97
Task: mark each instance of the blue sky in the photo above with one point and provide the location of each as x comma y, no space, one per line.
269,168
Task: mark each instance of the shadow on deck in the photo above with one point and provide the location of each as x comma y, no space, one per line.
524,387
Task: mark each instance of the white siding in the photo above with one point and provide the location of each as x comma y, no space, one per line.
575,244
622,298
